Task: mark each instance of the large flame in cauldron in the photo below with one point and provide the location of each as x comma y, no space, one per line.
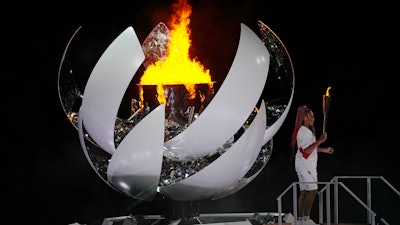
177,67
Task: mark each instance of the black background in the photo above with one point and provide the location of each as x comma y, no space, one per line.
352,48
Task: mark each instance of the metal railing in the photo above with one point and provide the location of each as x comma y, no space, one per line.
294,188
368,205
327,189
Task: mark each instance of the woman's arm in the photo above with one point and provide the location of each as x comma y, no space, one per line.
328,150
316,144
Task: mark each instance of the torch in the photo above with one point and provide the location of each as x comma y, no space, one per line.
326,102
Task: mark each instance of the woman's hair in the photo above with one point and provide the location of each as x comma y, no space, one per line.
302,111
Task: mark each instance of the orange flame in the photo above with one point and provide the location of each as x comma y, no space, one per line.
327,91
177,68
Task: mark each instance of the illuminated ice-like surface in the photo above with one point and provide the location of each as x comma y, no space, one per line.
155,46
148,152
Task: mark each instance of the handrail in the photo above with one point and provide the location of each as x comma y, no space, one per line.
293,186
367,207
335,181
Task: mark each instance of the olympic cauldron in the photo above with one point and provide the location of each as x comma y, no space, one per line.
183,149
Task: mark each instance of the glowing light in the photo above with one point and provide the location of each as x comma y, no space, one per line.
327,91
178,67
326,102
140,156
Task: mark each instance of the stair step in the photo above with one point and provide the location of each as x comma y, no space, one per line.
326,223
347,224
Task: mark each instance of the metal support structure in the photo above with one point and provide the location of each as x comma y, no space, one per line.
335,182
295,212
320,209
336,199
328,205
369,203
279,199
293,186
371,215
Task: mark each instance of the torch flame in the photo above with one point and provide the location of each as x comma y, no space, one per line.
177,68
326,102
327,91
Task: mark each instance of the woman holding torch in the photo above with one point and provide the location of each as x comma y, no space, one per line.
304,139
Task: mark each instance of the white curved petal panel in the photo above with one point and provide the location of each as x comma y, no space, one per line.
271,131
107,85
85,148
226,171
82,140
135,166
243,182
236,187
231,106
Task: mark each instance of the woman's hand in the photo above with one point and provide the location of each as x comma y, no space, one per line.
328,150
323,137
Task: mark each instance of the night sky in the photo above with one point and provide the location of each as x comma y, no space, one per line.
352,48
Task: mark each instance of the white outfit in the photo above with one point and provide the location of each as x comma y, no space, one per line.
306,168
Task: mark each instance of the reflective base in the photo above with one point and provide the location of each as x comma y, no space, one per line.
221,218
